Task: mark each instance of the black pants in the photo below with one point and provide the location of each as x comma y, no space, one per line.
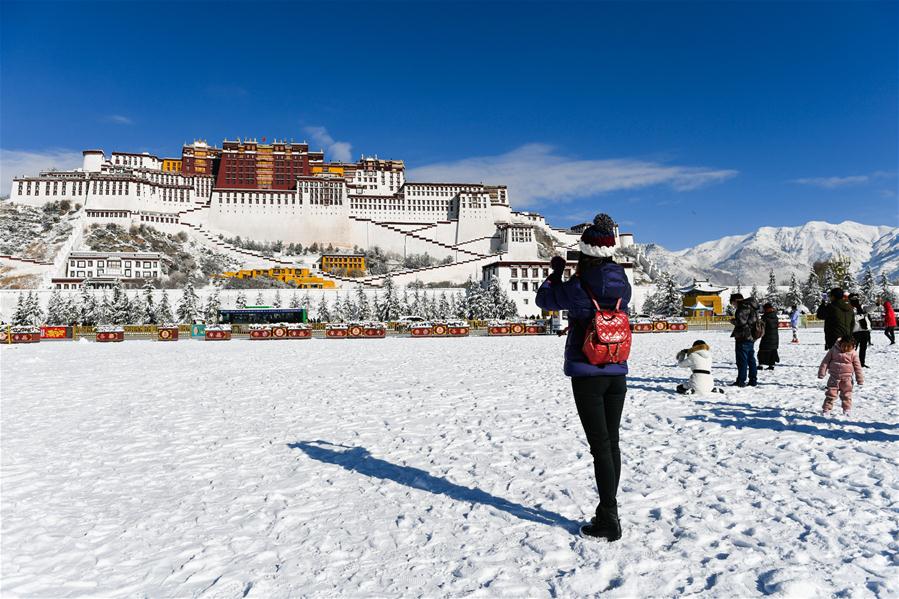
862,339
891,335
600,401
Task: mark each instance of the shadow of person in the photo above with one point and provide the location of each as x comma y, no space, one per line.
358,459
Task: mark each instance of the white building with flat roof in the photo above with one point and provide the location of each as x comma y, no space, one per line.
100,270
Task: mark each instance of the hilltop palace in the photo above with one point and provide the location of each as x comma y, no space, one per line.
283,191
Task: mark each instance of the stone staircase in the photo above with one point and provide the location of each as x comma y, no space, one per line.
433,242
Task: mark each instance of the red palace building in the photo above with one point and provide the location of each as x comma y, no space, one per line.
251,165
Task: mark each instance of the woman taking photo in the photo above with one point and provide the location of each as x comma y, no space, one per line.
599,390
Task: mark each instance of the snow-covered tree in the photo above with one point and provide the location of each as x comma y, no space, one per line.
739,286
322,312
390,303
294,301
868,288
240,301
72,309
213,305
405,302
350,309
363,309
811,291
104,309
828,277
772,295
189,306
443,307
136,309
666,300
885,293
89,311
260,300
338,314
164,310
754,292
793,296
20,314
56,308
276,303
306,302
148,305
120,306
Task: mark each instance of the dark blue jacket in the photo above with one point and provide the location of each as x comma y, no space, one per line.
608,283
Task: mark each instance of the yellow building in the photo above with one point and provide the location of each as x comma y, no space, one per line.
702,295
171,165
329,169
299,277
343,262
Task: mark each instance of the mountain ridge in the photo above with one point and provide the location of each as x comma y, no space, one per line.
748,258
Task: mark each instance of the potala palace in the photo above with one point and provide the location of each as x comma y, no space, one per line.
283,191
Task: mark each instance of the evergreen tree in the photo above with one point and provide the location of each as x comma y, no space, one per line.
189,306
443,307
337,309
120,308
89,313
164,310
829,277
276,303
754,292
811,292
362,307
294,301
20,314
415,307
672,298
72,310
322,313
739,286
391,307
56,308
350,309
794,293
886,294
135,303
772,295
213,305
240,301
148,304
104,310
868,288
405,306
306,302
259,301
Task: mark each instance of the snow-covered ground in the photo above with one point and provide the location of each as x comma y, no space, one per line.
436,467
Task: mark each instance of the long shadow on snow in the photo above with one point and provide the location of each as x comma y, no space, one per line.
769,412
358,459
772,419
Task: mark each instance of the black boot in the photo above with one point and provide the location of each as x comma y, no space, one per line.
604,526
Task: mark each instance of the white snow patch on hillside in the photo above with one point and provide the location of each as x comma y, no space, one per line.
432,467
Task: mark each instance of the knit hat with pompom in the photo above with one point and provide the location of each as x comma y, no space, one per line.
598,240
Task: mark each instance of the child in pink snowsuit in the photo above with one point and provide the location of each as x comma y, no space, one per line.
842,363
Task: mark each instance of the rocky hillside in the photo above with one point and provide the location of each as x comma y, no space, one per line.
183,259
35,233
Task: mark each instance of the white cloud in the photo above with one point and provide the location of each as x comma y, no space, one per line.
835,182
536,172
15,163
341,151
118,119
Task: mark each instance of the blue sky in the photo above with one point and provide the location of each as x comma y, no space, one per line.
685,121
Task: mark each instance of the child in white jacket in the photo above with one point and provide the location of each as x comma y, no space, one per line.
698,359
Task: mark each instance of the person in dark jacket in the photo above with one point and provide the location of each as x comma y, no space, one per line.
599,391
771,339
861,327
746,315
837,316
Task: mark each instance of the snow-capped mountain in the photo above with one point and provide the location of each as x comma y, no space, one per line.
786,250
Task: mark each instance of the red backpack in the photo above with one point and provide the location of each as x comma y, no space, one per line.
608,338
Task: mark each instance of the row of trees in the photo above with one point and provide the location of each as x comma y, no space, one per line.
667,300
118,306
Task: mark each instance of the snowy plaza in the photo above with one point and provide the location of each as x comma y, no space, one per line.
435,467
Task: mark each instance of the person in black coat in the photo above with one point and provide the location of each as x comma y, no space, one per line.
770,340
861,328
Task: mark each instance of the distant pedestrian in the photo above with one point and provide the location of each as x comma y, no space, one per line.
861,327
837,317
795,316
771,338
889,320
842,363
746,331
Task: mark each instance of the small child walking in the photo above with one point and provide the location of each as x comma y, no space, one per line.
842,362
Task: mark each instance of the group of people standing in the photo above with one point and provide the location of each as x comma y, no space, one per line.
599,390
